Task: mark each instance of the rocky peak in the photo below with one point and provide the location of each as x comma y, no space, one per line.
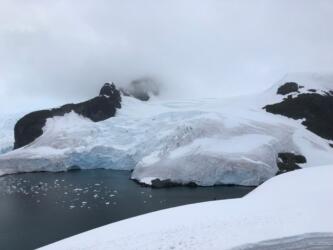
108,89
288,87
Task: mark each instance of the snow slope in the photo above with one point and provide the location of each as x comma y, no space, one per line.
206,141
291,204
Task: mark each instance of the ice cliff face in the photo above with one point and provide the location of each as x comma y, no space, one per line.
204,141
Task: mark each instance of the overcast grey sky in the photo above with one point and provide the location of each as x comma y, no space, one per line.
65,49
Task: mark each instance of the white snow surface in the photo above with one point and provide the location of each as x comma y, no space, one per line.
291,204
7,123
206,141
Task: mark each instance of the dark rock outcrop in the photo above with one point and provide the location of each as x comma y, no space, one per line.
157,183
288,87
100,108
289,162
316,110
110,91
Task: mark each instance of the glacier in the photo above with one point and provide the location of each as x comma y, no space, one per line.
206,141
7,123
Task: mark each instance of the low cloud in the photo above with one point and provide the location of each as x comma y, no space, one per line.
66,49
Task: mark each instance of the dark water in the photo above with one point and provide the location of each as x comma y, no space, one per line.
40,208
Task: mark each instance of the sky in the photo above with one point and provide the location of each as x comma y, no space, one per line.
59,51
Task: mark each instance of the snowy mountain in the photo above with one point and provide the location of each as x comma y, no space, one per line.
202,141
294,209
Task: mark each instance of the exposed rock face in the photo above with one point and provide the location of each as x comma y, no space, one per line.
100,108
141,89
316,110
289,162
110,91
288,87
157,183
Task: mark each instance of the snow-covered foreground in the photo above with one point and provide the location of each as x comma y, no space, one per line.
206,141
291,204
310,241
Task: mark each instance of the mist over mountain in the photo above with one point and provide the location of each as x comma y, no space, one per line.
51,51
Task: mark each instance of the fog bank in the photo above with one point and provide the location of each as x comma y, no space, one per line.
55,51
